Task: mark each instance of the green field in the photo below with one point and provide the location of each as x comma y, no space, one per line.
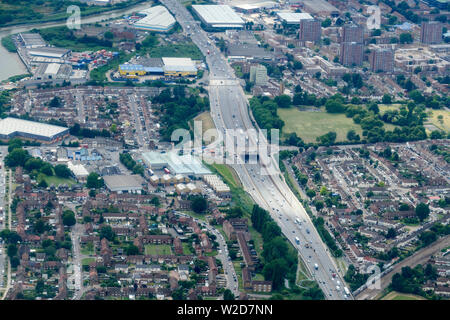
157,249
401,296
57,181
181,50
87,261
309,124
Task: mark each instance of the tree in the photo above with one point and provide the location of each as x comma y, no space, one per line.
62,171
387,99
43,184
12,250
107,232
69,218
55,102
334,106
406,38
46,168
422,211
94,181
132,250
228,295
283,101
199,204
391,233
109,35
17,157
326,23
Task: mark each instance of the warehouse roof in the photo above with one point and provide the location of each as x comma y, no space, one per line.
48,52
123,182
179,64
10,126
218,14
157,18
293,17
187,164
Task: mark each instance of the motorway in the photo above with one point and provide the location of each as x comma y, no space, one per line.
229,109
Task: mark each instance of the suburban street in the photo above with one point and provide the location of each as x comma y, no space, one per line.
230,273
229,109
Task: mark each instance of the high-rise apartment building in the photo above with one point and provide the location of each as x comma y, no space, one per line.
351,54
310,30
431,32
382,60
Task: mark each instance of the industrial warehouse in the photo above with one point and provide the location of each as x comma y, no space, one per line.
30,130
218,16
159,67
156,18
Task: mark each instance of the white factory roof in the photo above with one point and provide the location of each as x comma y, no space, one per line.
294,17
52,68
78,169
218,14
10,125
179,64
186,164
157,18
245,5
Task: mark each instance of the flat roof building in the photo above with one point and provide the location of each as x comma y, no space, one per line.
124,183
431,32
49,52
185,165
12,128
319,7
31,40
218,16
177,67
157,18
293,17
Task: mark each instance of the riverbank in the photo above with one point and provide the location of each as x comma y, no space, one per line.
63,15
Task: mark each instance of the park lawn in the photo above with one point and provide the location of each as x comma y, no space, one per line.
186,249
433,119
157,249
57,181
88,249
394,295
87,261
309,124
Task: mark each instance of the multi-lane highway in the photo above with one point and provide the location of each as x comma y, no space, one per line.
229,109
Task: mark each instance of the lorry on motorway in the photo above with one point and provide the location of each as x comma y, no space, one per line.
297,240
347,292
316,266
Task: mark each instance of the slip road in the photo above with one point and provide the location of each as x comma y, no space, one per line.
231,309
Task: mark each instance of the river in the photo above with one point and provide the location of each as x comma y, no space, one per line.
10,63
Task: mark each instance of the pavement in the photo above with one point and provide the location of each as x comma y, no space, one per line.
420,257
229,109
